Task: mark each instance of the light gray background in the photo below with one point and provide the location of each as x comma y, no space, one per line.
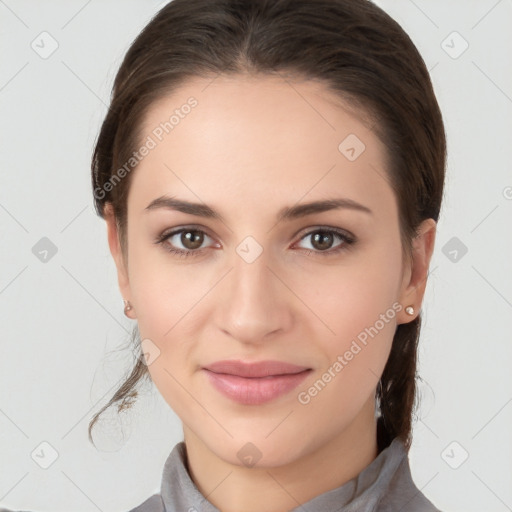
62,320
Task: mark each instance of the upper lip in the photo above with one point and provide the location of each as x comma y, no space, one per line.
255,369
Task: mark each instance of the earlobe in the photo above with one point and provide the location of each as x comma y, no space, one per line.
127,308
410,310
413,288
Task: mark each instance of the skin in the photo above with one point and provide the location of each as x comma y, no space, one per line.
252,146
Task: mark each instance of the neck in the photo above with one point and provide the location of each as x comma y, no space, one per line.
232,488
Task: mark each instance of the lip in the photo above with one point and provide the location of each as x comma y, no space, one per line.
255,383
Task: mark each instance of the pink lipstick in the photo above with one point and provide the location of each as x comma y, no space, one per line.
255,383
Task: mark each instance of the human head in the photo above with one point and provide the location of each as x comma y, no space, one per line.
357,52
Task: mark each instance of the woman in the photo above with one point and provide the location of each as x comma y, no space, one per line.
271,175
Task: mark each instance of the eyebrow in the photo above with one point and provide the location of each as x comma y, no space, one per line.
286,213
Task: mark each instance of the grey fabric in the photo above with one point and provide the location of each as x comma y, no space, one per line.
385,485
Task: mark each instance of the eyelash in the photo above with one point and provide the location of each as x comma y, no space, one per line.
348,240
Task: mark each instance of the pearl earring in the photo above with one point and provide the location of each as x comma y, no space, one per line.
127,306
409,310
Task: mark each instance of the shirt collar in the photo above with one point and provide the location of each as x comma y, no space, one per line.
360,494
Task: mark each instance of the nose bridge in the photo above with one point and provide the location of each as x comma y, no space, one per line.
250,279
252,307
250,275
251,287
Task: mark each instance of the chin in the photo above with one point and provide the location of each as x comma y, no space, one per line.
254,452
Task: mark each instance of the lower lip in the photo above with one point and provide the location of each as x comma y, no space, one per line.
255,390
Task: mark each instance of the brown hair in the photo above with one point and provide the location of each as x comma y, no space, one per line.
351,46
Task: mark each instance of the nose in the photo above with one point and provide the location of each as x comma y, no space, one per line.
254,303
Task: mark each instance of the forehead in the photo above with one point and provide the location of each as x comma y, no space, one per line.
259,137
260,104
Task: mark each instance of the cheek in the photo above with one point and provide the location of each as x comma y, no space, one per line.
359,305
353,297
355,357
168,299
171,299
164,290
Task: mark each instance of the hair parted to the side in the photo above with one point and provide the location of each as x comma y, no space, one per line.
356,50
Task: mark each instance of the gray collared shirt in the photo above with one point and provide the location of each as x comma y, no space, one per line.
385,485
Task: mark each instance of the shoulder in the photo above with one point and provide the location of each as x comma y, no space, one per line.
152,504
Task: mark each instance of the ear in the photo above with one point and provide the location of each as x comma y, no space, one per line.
415,276
117,254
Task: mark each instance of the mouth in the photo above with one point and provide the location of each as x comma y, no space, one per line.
255,383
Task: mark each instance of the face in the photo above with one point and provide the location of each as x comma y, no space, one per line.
258,276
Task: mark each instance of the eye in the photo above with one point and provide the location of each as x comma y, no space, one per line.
191,239
322,240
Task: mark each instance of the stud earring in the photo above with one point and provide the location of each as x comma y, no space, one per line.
409,310
127,306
